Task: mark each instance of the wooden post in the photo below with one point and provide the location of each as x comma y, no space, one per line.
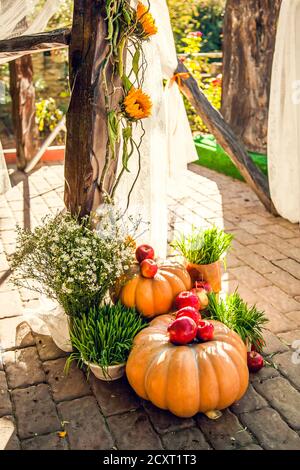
23,109
248,48
87,136
226,138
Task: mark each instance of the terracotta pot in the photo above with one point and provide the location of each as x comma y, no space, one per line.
206,272
108,374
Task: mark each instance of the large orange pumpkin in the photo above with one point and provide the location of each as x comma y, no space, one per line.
199,377
155,296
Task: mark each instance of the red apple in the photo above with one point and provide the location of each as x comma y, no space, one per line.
203,285
144,252
186,299
205,331
148,268
190,312
183,330
201,293
255,361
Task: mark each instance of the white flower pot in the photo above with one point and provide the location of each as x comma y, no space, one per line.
108,374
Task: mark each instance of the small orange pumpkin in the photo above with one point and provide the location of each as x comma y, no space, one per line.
155,296
199,377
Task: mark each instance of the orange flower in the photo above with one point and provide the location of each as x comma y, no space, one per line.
137,104
146,20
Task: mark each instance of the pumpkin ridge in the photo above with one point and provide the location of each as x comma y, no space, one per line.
239,365
203,351
149,369
198,379
232,352
220,375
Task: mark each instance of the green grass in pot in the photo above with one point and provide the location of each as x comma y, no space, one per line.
246,321
104,335
203,246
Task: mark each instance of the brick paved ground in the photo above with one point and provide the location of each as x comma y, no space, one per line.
37,400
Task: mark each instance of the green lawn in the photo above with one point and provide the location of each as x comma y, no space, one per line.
211,155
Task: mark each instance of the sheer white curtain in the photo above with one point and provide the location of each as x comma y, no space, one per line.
19,17
168,144
284,115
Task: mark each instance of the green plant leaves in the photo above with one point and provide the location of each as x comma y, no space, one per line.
135,62
104,335
126,83
203,246
127,138
234,312
113,126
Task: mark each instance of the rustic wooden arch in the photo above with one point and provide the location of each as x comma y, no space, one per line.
86,116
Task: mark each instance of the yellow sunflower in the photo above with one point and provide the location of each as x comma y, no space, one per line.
146,20
137,104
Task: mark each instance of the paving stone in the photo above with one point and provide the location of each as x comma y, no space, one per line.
270,430
35,411
114,397
243,237
295,241
290,337
277,321
23,367
47,349
252,447
4,266
164,421
47,442
251,278
8,436
266,251
294,317
65,386
283,397
225,433
5,403
186,439
249,402
6,287
290,251
232,261
85,425
15,333
278,298
281,232
289,265
289,365
248,295
11,305
273,344
267,372
28,294
255,261
133,431
251,227
289,284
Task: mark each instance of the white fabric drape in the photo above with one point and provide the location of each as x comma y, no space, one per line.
168,144
284,115
12,14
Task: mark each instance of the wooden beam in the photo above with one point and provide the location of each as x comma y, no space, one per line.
86,120
20,45
226,138
249,35
23,109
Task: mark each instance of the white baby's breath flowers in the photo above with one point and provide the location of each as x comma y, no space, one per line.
75,264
